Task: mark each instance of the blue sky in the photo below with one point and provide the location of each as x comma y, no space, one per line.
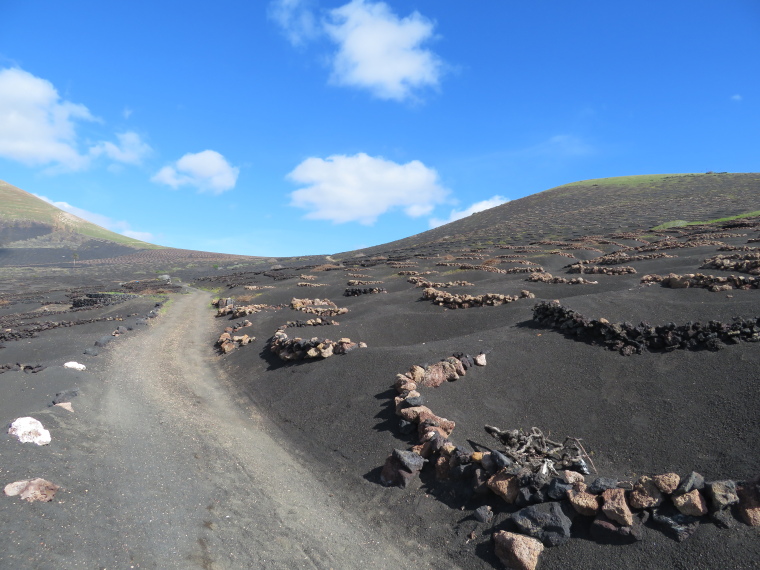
299,127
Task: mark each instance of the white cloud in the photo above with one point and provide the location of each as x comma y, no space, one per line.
208,171
381,52
37,127
296,18
476,207
130,150
360,188
117,226
127,112
736,97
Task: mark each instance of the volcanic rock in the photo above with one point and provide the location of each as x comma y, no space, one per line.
548,522
616,508
516,551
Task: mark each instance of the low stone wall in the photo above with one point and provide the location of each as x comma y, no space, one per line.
356,291
741,262
462,301
420,282
711,282
320,307
600,270
546,480
629,339
549,278
288,349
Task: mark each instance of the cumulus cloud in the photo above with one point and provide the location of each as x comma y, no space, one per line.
476,207
208,171
37,127
130,150
117,226
360,188
296,18
381,52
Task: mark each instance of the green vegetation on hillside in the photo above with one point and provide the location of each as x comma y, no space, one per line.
20,207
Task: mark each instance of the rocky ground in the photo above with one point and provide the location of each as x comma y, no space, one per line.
674,395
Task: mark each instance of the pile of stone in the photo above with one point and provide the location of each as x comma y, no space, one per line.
514,256
308,277
463,301
401,467
357,282
549,278
307,284
228,342
471,256
714,235
468,267
101,299
28,368
600,270
401,265
711,282
537,269
258,287
227,307
629,339
521,248
356,291
320,307
562,253
300,349
318,322
743,263
738,248
619,257
420,282
360,276
671,243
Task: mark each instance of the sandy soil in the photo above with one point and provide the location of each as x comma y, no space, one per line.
177,456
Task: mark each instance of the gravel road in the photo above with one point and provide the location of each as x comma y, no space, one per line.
161,467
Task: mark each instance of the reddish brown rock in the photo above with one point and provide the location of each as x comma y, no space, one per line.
749,503
436,421
416,373
442,468
616,508
667,482
584,503
505,485
435,375
413,414
517,551
574,477
645,494
691,503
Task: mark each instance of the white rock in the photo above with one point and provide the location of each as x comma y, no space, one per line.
29,430
75,366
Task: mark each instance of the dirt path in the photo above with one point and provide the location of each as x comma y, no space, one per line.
175,474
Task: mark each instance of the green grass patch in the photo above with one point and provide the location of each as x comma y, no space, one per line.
682,223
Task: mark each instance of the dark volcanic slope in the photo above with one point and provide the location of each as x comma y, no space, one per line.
598,207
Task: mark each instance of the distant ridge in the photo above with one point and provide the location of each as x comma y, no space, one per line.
33,232
29,221
597,206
